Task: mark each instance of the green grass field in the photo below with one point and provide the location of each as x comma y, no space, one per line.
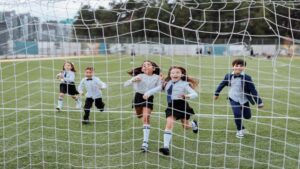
34,135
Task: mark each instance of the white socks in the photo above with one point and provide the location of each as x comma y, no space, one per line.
167,138
78,103
60,102
146,131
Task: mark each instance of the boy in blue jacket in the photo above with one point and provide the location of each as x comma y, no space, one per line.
241,92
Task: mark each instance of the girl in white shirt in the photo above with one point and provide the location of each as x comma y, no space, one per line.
144,79
178,87
93,86
67,85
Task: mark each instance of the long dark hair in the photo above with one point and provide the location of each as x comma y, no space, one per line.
192,81
72,66
138,70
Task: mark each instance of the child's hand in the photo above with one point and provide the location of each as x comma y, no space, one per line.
59,75
185,96
161,76
145,96
216,97
261,105
136,79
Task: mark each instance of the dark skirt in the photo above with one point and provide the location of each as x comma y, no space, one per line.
180,109
69,88
139,101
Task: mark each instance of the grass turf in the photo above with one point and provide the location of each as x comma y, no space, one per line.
34,135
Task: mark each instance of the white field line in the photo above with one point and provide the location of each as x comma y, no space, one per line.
160,113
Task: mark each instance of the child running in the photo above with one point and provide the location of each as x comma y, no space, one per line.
67,85
93,86
145,78
178,87
241,92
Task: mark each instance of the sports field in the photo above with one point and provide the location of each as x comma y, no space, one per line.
34,135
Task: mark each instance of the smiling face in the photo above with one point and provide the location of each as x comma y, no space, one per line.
89,73
175,74
238,69
67,66
148,68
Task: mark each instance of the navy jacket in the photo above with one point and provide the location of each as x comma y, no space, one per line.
247,85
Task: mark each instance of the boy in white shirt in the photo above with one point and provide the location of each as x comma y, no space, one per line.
93,86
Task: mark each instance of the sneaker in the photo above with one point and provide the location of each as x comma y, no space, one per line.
102,109
85,122
164,151
239,134
195,128
245,131
144,147
58,108
78,104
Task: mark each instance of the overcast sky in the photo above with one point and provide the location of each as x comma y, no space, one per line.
50,9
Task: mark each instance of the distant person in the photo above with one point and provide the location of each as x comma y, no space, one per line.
67,85
132,53
241,92
209,51
199,51
93,86
251,52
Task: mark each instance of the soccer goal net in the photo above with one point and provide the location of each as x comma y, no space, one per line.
114,37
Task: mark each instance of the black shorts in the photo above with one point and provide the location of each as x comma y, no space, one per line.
69,88
139,101
179,109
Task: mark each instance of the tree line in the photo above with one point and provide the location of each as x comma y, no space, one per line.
193,20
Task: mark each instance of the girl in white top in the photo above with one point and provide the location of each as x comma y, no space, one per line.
67,85
178,87
93,86
144,79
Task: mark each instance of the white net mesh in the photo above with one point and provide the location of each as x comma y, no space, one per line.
36,37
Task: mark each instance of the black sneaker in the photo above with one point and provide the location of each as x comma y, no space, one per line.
195,129
164,151
144,149
58,108
102,109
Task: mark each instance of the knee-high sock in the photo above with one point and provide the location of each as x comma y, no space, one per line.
167,138
60,102
146,131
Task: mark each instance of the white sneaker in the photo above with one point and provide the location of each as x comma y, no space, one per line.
78,104
245,131
240,134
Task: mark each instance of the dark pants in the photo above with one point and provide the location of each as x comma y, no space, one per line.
89,103
240,112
